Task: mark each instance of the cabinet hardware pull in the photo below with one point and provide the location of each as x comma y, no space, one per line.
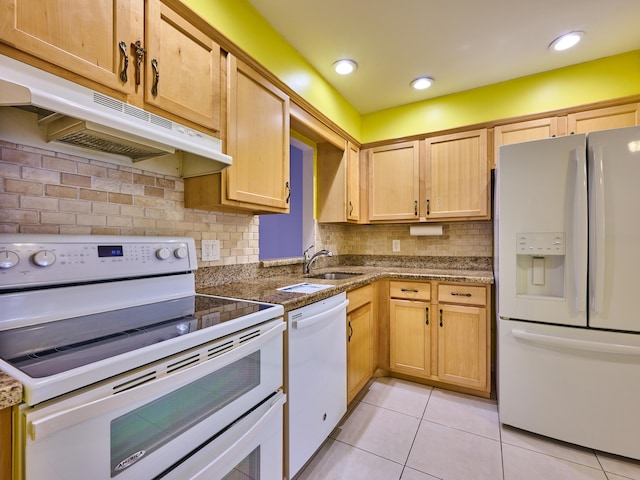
139,56
156,78
427,315
456,294
350,332
428,206
412,290
350,208
415,208
286,185
125,60
441,317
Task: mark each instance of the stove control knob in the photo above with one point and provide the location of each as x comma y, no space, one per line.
180,252
163,253
8,259
44,258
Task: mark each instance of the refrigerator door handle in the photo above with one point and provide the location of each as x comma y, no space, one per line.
575,344
598,247
580,222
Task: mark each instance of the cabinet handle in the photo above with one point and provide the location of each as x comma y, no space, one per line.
456,294
286,185
412,290
125,60
428,206
415,208
427,315
156,78
139,56
350,332
350,208
441,317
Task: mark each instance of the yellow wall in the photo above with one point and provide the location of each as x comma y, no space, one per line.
607,78
603,79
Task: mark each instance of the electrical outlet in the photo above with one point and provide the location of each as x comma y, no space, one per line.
210,250
395,245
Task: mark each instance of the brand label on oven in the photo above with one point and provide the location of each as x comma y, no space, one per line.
127,462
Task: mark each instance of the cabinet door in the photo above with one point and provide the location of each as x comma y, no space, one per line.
359,349
410,337
394,181
604,118
353,182
258,139
187,61
5,442
457,176
65,33
525,132
462,345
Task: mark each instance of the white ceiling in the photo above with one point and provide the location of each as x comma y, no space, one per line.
463,44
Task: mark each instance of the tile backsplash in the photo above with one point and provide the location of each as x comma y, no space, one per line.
42,191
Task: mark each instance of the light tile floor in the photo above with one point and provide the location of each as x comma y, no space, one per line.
397,430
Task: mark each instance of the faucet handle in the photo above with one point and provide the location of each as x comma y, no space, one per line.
307,251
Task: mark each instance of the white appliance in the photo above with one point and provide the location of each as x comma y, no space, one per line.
317,379
567,260
127,372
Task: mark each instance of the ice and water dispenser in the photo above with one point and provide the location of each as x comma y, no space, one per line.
541,264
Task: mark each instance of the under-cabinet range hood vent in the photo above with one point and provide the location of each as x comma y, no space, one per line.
76,115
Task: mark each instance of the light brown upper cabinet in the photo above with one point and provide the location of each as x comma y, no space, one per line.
604,118
338,181
81,38
394,181
456,177
182,67
258,141
526,131
179,69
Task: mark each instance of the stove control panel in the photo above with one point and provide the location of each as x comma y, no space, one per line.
36,260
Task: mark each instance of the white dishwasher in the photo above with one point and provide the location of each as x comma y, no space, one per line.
317,380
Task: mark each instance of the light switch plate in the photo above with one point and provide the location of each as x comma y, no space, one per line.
395,245
210,250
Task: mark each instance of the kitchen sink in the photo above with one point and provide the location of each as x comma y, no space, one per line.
334,275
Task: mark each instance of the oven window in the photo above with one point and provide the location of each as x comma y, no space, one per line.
143,430
247,469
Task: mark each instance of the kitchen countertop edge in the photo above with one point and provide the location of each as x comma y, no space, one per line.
266,289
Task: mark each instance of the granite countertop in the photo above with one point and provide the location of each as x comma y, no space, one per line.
10,391
266,289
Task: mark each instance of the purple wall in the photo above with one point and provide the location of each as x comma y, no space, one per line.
281,234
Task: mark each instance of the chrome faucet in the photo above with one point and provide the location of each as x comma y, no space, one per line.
308,261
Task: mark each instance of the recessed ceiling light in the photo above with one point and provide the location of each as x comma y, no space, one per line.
345,66
421,83
566,41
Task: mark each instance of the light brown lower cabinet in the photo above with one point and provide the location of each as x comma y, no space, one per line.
5,442
361,338
442,337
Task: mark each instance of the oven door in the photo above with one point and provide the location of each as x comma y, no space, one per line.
249,450
140,432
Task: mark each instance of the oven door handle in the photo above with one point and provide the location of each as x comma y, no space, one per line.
62,418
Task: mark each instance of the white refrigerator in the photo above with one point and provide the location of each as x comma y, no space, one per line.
567,264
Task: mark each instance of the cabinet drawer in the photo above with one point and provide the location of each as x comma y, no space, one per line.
410,290
462,294
359,297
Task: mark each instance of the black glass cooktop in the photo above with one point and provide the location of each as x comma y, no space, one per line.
51,348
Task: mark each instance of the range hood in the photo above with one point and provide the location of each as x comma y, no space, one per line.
76,115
